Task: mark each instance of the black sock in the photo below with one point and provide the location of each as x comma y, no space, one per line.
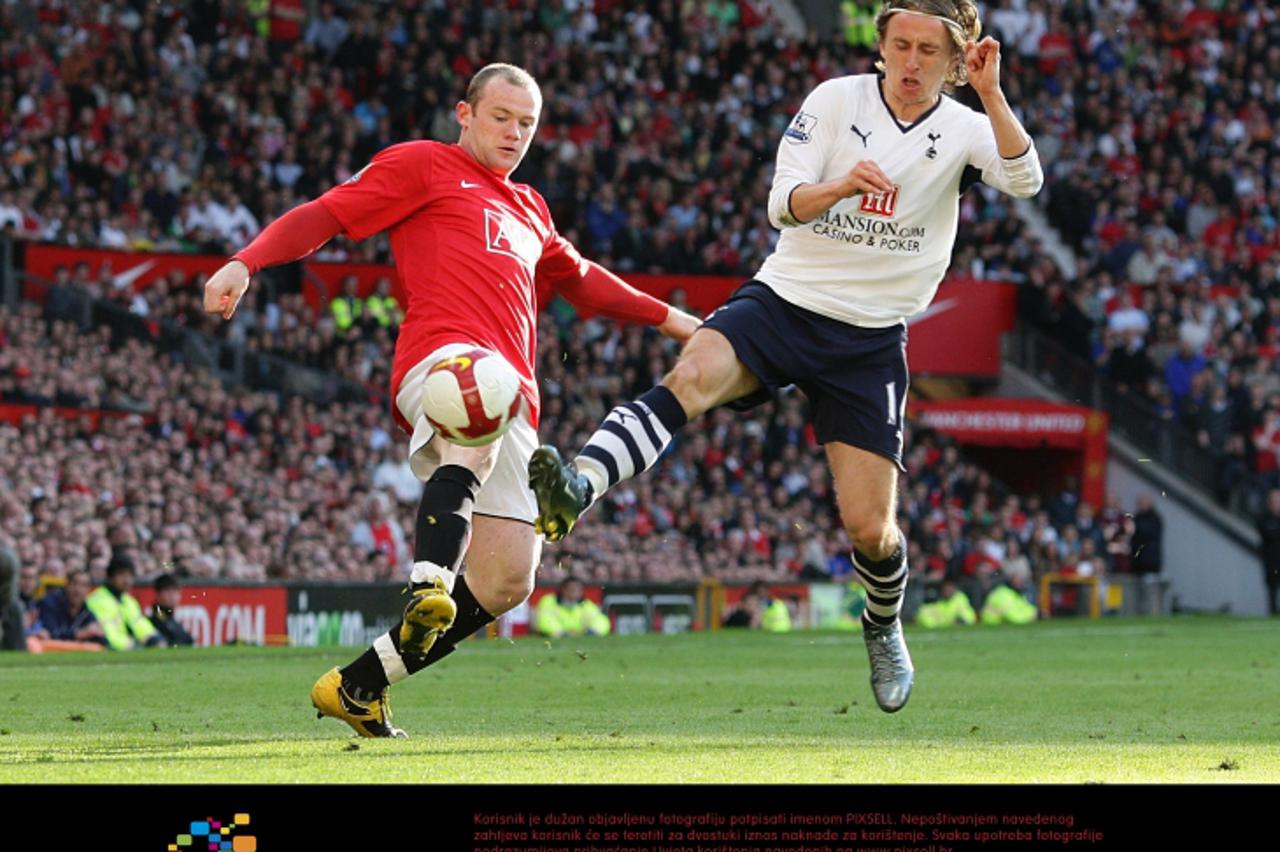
365,677
444,517
471,617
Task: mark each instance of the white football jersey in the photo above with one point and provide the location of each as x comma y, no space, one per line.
873,260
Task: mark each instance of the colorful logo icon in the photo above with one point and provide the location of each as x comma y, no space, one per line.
216,836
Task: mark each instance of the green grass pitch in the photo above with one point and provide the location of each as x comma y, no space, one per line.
1186,699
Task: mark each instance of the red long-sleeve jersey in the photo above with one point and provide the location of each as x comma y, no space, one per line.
471,247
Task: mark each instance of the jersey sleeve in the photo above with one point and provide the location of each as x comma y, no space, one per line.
806,146
392,187
560,258
600,291
1019,176
293,236
560,261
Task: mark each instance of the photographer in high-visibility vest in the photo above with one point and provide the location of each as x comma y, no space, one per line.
951,608
381,308
1007,603
568,613
859,23
759,611
348,308
118,611
774,615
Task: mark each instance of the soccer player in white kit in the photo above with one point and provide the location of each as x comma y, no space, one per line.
866,194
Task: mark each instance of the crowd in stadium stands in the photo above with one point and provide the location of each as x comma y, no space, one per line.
217,483
1159,123
125,125
130,125
228,484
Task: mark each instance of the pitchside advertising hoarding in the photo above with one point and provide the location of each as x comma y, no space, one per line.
957,335
307,615
342,614
355,614
631,609
225,615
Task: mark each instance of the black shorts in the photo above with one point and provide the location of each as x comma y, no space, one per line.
855,378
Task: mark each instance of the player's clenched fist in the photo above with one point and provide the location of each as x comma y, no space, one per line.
223,290
867,178
982,61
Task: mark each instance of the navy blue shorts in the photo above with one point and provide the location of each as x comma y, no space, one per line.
855,378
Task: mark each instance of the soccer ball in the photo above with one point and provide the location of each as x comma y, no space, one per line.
472,397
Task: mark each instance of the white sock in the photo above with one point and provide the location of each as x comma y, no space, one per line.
595,474
425,572
392,663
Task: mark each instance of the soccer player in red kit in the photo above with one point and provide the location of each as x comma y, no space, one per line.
473,249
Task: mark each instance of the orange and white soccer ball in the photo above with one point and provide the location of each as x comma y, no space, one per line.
472,397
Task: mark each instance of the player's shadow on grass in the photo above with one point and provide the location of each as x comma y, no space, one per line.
108,754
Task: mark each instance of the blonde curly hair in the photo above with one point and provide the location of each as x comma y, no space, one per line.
960,18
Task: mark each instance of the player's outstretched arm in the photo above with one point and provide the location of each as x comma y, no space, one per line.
982,60
294,235
600,291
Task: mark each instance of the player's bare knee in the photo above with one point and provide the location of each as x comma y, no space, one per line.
507,589
687,381
478,460
875,535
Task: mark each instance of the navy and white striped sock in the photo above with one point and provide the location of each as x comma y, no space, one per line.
885,582
630,439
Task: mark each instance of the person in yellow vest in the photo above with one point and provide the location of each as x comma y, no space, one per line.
768,613
118,611
381,307
260,14
859,22
951,608
348,308
759,612
1007,604
568,613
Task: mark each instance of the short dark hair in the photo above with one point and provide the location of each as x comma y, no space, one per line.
121,565
167,581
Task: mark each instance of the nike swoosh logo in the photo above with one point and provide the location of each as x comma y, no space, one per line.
467,185
126,278
933,310
350,706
